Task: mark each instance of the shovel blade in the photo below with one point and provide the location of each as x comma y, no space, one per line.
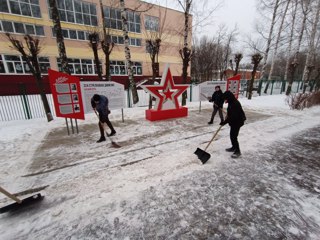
202,155
24,203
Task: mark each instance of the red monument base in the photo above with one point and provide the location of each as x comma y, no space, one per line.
155,115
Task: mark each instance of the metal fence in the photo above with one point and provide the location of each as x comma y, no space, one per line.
25,106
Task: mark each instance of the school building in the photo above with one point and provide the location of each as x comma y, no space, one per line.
78,18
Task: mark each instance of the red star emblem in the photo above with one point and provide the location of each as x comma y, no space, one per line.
166,91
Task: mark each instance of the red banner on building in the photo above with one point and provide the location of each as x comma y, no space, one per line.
233,85
66,95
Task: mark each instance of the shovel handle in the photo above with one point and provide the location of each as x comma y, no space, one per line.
14,198
213,137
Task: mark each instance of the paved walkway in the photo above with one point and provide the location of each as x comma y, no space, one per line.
269,193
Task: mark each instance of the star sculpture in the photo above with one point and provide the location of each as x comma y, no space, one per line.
166,92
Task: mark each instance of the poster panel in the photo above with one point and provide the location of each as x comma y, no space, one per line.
112,90
66,93
207,89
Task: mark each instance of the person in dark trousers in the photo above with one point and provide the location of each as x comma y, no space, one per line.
100,103
235,118
217,104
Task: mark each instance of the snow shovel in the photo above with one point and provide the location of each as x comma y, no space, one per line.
114,144
202,154
18,202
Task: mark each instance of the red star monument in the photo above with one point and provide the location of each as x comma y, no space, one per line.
166,94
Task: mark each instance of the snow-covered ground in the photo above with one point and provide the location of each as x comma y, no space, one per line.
154,186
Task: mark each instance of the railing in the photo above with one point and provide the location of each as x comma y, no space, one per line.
25,106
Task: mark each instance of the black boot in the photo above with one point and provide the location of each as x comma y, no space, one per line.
210,122
236,154
101,139
232,149
112,133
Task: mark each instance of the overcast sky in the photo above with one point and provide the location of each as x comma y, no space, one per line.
231,12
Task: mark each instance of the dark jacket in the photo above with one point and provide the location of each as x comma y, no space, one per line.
217,98
235,113
102,106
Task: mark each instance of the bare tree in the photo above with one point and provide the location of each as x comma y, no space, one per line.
266,53
132,84
289,50
292,69
106,43
31,57
227,50
204,59
185,52
255,60
277,42
94,45
317,80
153,43
305,7
237,59
311,50
59,36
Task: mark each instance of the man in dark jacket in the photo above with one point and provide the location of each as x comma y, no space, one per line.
100,103
217,104
235,118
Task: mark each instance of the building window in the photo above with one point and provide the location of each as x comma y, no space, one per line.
151,23
76,11
72,34
120,40
21,7
16,65
44,64
2,69
80,66
16,27
120,68
112,17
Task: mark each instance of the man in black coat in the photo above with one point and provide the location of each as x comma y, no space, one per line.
235,118
217,104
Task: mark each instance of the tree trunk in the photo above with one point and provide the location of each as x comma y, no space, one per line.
275,54
250,87
292,69
255,60
38,77
94,39
59,36
132,84
275,9
290,49
311,50
303,26
186,53
106,45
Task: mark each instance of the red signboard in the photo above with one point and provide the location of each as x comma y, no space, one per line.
66,95
233,85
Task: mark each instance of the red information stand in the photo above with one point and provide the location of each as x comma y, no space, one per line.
233,85
166,94
66,93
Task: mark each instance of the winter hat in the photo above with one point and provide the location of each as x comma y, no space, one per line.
96,98
227,95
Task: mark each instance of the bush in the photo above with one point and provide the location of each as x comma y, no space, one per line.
300,101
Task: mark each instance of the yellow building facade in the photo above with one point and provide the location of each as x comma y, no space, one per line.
78,19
